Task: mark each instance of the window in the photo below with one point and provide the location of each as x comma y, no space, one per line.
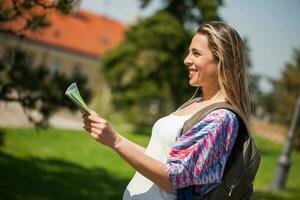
77,69
29,59
8,56
55,65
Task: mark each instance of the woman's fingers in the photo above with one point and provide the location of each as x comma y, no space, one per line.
96,130
96,118
87,128
95,135
86,121
92,130
89,124
99,129
99,126
85,117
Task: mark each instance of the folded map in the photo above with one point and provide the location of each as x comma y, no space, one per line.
73,93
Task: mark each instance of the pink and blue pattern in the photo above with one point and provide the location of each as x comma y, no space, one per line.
199,156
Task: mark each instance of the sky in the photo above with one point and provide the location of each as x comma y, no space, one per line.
272,27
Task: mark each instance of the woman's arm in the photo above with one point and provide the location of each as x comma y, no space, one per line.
137,146
147,166
102,132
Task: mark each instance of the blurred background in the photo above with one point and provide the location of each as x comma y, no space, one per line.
127,60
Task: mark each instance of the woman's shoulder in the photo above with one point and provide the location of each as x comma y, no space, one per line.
216,122
219,117
222,113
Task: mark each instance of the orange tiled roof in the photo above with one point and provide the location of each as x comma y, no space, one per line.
84,32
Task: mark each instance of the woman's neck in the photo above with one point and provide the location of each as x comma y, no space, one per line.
213,93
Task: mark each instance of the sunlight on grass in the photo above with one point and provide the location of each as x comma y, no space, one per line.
62,164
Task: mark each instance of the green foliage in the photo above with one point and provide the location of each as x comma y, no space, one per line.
34,87
5,13
32,14
146,72
280,103
37,22
61,164
256,93
190,11
67,6
288,88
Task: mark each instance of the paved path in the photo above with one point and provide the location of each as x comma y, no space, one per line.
12,115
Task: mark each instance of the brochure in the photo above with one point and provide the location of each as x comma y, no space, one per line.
73,93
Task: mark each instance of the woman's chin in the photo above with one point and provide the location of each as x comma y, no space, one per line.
193,83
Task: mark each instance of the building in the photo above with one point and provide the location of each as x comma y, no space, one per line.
72,43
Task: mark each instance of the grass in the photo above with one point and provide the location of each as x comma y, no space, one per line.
270,152
60,164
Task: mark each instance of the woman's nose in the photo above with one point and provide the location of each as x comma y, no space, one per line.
188,61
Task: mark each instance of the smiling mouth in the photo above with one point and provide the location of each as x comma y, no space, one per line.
192,70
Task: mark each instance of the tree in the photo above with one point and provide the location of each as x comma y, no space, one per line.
190,11
34,87
31,15
146,72
282,99
288,87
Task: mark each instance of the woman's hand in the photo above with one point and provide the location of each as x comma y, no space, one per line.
100,129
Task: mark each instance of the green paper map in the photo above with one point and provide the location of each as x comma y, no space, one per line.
73,93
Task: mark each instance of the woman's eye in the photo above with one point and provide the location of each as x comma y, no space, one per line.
196,54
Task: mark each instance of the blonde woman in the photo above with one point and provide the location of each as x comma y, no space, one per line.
197,158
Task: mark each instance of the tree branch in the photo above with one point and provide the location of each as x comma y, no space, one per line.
44,5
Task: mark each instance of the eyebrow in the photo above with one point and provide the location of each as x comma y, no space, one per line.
196,50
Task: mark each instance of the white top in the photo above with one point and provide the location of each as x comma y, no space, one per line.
163,136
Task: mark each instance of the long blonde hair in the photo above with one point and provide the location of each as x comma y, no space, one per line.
227,47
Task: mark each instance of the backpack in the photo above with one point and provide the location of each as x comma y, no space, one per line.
242,163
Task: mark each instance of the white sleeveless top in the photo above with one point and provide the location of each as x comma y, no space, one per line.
163,136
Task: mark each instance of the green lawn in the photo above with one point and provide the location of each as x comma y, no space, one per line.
69,165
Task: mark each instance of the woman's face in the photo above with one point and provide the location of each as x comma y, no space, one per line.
201,63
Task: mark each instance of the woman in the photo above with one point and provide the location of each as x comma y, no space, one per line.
197,158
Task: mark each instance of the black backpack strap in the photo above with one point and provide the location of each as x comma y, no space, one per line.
201,114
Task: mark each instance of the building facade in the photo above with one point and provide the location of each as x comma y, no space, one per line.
71,44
